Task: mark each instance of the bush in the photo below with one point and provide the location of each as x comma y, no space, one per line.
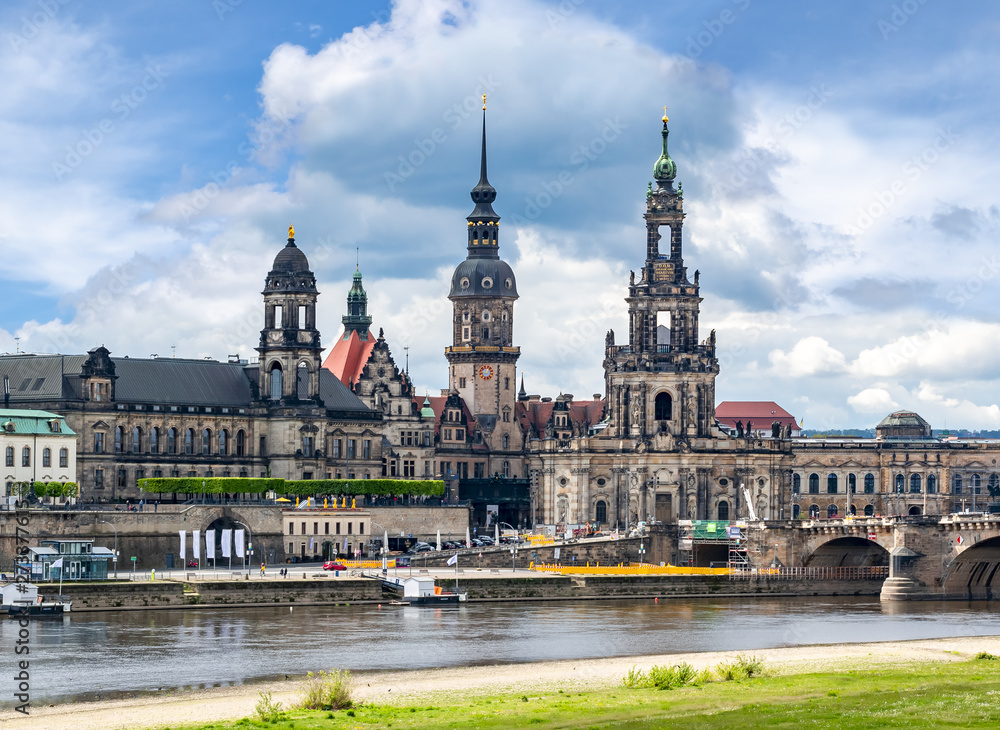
985,655
300,487
743,667
635,679
328,690
267,710
661,677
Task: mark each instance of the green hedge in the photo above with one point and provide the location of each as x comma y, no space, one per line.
301,487
210,485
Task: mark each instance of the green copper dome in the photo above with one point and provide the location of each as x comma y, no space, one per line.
665,168
427,411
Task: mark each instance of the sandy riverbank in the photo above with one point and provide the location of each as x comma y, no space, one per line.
391,687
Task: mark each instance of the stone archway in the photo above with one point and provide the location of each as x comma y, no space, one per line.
975,573
848,552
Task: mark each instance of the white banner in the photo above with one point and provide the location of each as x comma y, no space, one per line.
196,544
227,543
311,543
238,539
183,535
209,544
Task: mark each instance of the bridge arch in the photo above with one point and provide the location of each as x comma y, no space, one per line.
848,552
975,573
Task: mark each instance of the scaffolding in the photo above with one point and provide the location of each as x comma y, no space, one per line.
742,551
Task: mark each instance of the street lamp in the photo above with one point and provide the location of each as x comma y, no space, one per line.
249,541
115,558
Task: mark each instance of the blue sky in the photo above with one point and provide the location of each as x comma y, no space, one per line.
838,161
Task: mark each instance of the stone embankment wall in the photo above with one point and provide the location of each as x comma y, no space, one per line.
604,552
422,522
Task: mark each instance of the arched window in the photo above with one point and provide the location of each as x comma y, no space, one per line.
9,461
63,458
26,456
206,442
975,482
869,484
831,511
241,443
154,440
171,440
506,468
276,384
189,441
914,510
915,484
223,443
931,484
663,406
506,442
852,484
796,483
869,510
956,484
813,511
814,484
899,484
831,484
796,511
136,440
119,439
601,511
46,456
723,511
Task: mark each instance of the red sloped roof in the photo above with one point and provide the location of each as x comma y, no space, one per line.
761,412
348,357
537,413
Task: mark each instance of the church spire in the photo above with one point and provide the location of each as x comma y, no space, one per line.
357,318
665,169
483,221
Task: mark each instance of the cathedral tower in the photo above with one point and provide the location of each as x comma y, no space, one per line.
663,381
289,342
482,359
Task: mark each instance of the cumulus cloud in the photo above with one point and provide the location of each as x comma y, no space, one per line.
811,356
872,400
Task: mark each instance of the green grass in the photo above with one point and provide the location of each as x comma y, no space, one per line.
959,695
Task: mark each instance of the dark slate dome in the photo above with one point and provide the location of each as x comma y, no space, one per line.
290,260
483,277
903,424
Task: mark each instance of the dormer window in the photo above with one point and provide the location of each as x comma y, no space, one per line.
486,316
54,426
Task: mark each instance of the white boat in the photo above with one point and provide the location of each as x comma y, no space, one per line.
22,600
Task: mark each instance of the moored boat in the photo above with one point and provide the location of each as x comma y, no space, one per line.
21,600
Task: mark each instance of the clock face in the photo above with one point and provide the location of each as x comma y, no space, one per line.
485,372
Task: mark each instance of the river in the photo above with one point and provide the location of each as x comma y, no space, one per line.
91,655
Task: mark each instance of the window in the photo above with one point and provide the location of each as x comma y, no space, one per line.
119,438
601,511
46,457
366,449
899,483
813,511
350,528
831,511
506,440
262,446
974,483
171,440
64,458
486,333
157,473
814,484
276,384
831,484
852,484
189,441
307,445
154,441
796,483
315,528
338,528
352,447
409,468
663,406
26,456
206,442
10,456
723,511
460,434
869,484
506,469
139,475
956,484
466,334
336,448
122,477
461,382
932,484
869,510
506,383
915,484
223,442
303,528
361,528
241,443
98,478
326,528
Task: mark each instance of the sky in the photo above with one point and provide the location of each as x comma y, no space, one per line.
838,161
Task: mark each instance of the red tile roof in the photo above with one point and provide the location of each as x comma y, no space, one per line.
348,357
538,413
761,412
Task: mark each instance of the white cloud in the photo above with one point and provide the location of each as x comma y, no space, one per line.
811,356
872,400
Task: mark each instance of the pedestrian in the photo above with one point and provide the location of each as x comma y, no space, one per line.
156,505
261,570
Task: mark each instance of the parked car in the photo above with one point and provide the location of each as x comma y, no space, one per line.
477,542
486,539
420,547
333,565
450,545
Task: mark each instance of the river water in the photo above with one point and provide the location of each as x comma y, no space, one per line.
92,655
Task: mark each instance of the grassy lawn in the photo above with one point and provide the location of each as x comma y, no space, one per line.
961,694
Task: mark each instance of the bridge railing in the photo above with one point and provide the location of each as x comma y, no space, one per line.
874,572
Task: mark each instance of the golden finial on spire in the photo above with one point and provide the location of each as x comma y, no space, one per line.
291,231
665,120
484,102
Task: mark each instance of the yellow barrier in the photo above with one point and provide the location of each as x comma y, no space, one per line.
622,569
367,563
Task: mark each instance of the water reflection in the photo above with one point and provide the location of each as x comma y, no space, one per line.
105,654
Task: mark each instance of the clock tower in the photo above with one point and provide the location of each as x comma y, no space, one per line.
482,359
